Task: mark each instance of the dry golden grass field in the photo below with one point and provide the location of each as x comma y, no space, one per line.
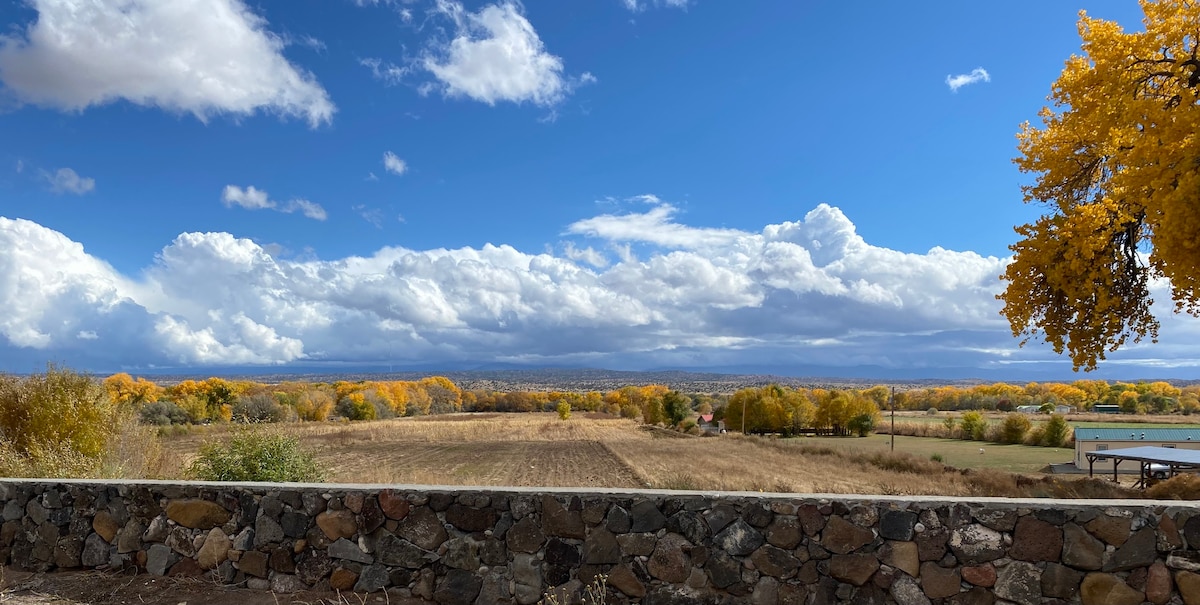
541,450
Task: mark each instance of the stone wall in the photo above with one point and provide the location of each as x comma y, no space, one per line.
480,546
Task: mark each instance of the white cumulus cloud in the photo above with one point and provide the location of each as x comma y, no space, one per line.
394,164
65,180
976,76
496,55
204,57
251,198
248,198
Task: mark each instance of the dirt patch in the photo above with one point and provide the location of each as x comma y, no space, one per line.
101,588
500,463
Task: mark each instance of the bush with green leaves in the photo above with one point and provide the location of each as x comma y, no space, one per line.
973,425
564,410
1055,431
676,407
355,406
862,424
254,455
949,423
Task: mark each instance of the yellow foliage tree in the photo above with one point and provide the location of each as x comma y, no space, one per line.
314,404
124,390
1116,163
444,395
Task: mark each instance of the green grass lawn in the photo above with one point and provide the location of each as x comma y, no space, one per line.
955,452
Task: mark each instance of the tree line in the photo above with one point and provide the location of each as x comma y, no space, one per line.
1132,398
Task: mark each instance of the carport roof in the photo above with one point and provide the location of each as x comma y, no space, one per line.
1150,453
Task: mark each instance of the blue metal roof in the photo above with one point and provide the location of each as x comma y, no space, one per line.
1137,434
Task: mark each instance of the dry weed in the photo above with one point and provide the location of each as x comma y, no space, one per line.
1179,487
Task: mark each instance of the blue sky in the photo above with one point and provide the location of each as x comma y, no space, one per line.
611,183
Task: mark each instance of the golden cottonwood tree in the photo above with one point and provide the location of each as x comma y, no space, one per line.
123,389
1117,163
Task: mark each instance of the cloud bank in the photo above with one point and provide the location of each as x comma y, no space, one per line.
638,289
203,57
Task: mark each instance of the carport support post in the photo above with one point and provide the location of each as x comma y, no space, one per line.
1116,461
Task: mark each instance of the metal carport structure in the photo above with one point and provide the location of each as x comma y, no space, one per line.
1174,458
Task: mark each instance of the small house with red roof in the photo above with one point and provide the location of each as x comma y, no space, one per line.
706,424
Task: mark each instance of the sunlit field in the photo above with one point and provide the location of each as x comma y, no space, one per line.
605,452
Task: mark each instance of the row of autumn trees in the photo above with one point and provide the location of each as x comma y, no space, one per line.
770,409
776,409
218,399
1133,398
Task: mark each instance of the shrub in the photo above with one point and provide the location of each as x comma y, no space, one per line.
1055,431
949,422
564,410
901,462
630,411
973,426
1179,487
58,407
931,412
1036,435
937,458
162,413
862,424
991,483
356,407
252,455
1014,427
260,407
62,424
194,406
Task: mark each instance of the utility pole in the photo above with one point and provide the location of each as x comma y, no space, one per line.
744,416
892,401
